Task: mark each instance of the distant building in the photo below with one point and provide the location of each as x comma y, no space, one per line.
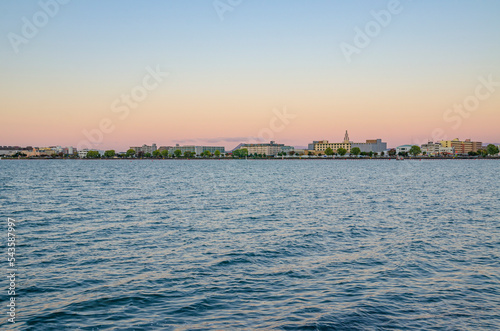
322,145
288,149
462,147
374,145
198,150
83,153
272,148
301,151
144,149
11,150
310,147
47,151
403,149
433,149
31,153
164,148
57,149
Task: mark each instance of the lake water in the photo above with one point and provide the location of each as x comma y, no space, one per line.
230,245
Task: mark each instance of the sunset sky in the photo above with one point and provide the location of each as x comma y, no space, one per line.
232,68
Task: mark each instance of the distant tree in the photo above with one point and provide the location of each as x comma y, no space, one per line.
370,153
110,153
341,151
363,153
217,153
482,152
188,154
177,153
329,151
355,151
207,153
382,154
392,152
147,155
264,155
415,150
492,149
240,152
156,154
311,153
130,153
291,153
164,153
93,155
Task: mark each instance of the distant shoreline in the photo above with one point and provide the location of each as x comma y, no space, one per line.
260,159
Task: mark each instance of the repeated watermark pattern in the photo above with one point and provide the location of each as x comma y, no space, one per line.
456,114
31,27
281,119
483,91
372,29
122,106
223,6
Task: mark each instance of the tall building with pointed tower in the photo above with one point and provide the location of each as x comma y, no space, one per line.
346,137
371,145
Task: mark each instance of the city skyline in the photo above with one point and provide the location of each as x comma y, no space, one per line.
176,72
454,146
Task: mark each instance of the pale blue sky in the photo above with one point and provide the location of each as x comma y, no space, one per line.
262,49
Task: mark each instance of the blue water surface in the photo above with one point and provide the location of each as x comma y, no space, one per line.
253,244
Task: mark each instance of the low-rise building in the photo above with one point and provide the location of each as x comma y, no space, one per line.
272,148
288,149
371,145
164,148
462,147
198,150
144,149
403,149
322,145
10,150
433,149
83,153
310,147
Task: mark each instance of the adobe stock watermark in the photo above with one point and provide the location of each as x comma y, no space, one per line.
30,27
277,123
223,6
372,29
463,110
12,268
122,106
